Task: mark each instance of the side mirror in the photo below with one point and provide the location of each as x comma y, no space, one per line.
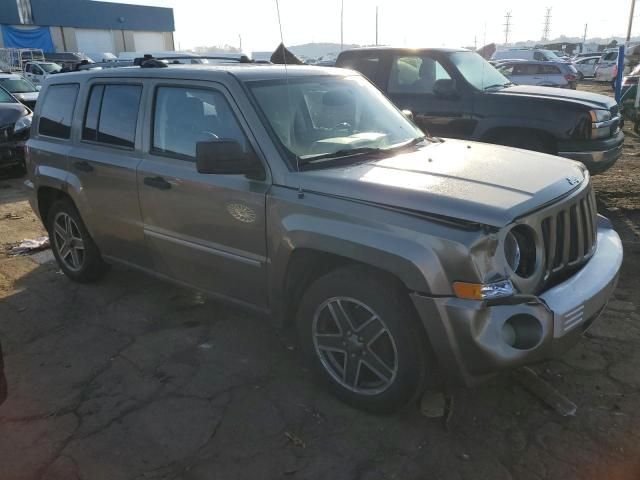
226,157
445,88
38,87
408,114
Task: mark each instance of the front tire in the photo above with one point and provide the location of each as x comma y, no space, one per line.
362,335
72,245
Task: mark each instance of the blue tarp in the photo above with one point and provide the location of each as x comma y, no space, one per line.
37,37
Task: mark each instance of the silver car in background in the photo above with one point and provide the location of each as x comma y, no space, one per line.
542,74
586,66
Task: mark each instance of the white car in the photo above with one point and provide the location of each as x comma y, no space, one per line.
36,72
537,54
21,88
586,66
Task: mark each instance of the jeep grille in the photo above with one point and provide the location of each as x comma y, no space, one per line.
570,235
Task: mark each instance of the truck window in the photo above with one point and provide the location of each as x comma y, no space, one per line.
415,74
539,57
112,114
366,65
184,116
57,111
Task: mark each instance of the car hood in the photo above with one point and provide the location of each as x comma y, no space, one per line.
27,96
469,181
591,100
11,112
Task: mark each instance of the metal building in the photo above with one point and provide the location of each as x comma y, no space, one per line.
85,26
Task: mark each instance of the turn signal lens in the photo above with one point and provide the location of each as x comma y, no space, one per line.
483,291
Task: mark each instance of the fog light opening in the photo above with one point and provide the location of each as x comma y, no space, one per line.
522,332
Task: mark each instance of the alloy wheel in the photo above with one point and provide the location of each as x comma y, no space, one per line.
355,345
68,241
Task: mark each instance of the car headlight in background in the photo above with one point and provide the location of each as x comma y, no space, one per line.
520,251
598,130
23,123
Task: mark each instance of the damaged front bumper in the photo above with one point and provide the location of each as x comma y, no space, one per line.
474,340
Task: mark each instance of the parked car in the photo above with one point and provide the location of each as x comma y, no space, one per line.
67,60
586,66
607,68
21,88
456,93
536,54
545,74
36,72
305,194
15,123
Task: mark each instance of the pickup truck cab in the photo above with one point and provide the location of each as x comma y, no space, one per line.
455,93
303,193
36,72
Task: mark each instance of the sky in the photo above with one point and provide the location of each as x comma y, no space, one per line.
401,22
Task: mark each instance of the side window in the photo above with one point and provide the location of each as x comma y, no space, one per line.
57,111
184,116
415,75
538,56
610,56
507,70
520,69
550,70
28,68
367,66
112,114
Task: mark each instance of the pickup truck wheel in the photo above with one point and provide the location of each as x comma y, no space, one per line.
72,245
363,337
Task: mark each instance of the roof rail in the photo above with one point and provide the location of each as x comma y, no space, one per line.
142,61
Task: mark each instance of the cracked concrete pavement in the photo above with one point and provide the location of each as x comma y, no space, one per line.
132,378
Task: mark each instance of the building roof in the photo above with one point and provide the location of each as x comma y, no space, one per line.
91,14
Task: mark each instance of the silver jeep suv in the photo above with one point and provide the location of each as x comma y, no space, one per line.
309,196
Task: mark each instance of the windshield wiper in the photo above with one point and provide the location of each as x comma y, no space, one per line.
346,152
350,152
503,85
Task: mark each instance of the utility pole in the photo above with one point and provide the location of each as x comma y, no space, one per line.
341,24
376,25
547,25
240,39
633,6
507,27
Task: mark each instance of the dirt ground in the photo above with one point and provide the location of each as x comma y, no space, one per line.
132,378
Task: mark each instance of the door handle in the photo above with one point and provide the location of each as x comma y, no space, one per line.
157,182
83,166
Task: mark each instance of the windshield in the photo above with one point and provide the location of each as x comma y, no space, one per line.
5,97
551,55
50,67
329,116
17,85
477,71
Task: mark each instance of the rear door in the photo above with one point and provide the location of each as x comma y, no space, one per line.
368,63
552,75
103,166
527,74
204,230
410,86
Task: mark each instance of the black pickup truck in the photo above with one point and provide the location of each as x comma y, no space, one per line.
456,93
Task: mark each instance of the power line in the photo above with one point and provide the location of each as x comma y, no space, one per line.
507,27
547,25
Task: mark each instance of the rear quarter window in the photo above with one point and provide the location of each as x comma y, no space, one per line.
57,111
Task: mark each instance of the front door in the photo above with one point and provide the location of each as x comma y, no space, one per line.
103,165
204,230
411,87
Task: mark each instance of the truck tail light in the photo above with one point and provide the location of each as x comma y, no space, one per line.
628,81
570,77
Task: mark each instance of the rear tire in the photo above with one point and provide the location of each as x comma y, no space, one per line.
361,333
72,245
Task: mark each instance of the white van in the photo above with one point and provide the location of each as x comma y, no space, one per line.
537,54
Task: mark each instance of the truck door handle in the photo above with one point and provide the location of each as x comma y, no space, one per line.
83,166
157,182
